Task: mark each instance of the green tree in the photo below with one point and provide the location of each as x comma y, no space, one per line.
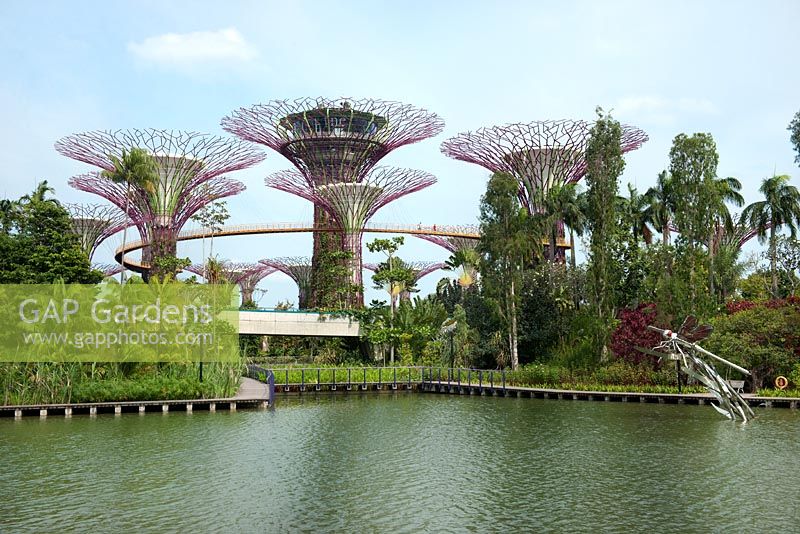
211,217
693,168
794,128
507,239
40,194
604,166
779,209
137,170
39,247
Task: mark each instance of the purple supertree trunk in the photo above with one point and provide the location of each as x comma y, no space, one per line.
299,270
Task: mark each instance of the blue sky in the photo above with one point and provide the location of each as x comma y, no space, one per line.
728,68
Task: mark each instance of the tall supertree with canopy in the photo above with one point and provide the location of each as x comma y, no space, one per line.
190,169
245,275
332,141
538,154
351,204
419,269
94,223
298,269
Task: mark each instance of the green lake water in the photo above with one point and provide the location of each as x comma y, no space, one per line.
405,463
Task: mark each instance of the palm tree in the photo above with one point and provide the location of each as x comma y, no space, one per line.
559,204
662,205
40,194
467,260
723,191
780,207
8,211
136,169
637,214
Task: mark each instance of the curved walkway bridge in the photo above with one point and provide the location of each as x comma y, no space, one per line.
462,231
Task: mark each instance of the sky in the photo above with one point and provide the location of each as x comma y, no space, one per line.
728,68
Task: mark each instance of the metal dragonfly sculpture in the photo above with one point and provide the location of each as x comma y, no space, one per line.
682,348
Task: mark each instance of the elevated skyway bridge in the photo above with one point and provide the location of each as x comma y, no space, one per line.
462,231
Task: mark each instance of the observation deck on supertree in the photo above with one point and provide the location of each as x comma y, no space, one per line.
351,205
332,141
190,169
538,154
298,269
245,275
94,223
419,269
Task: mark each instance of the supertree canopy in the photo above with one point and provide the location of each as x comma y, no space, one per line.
245,275
190,169
109,269
351,205
538,154
333,140
452,243
94,223
299,270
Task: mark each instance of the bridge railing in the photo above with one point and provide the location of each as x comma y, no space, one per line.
369,376
464,376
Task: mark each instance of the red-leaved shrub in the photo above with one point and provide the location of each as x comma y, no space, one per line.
632,331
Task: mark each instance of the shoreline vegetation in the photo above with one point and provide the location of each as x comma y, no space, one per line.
111,382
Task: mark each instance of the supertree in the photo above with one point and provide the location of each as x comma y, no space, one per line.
419,269
108,269
190,169
351,204
298,269
245,275
538,154
332,141
94,223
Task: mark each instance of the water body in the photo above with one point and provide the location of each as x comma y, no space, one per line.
405,463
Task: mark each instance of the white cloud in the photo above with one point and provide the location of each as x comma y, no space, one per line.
189,49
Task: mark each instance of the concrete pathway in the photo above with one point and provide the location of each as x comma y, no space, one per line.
252,389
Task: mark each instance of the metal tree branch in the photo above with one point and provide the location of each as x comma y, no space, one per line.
297,268
94,223
453,244
245,275
108,269
538,154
